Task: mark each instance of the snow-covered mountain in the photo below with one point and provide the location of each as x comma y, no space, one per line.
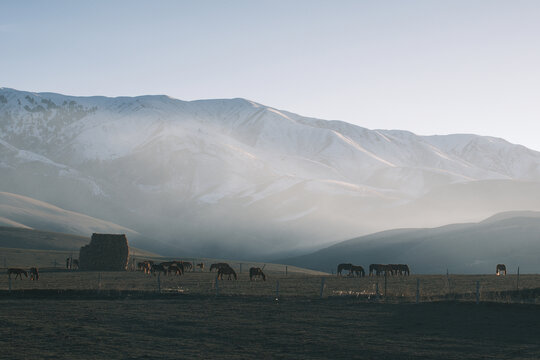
216,177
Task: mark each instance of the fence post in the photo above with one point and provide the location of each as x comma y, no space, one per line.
517,283
322,287
286,270
159,282
277,289
240,268
99,283
10,283
477,291
448,280
417,291
385,284
5,263
217,286
54,263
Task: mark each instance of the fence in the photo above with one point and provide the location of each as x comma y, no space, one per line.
415,288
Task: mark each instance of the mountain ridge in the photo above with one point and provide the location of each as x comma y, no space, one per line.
510,238
241,175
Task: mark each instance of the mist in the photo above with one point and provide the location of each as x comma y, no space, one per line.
237,179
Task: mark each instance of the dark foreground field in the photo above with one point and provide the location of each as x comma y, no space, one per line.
191,326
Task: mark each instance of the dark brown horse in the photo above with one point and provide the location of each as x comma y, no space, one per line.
18,272
226,270
187,265
144,266
500,268
379,269
159,268
342,267
34,273
404,269
256,272
175,269
358,270
217,266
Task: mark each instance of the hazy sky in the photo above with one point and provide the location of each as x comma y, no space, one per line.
431,67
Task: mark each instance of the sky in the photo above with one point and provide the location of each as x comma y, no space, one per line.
430,67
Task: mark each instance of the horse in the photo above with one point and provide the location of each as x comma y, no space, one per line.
200,266
404,269
342,267
158,268
256,272
34,273
226,270
187,265
18,272
75,264
358,270
394,269
500,268
378,268
145,266
217,266
175,268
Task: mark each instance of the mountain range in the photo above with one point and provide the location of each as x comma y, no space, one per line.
511,238
233,177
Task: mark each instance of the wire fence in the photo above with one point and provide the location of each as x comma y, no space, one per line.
278,285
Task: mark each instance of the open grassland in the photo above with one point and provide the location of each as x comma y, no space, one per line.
194,326
116,315
293,284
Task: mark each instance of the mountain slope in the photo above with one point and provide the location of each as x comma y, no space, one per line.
509,238
233,177
21,211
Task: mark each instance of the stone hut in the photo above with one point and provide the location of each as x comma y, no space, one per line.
106,252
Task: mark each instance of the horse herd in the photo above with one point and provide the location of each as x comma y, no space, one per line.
179,267
375,269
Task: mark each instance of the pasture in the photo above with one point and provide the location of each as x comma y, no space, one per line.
226,327
295,313
293,285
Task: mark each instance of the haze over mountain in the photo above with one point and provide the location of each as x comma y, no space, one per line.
234,177
511,238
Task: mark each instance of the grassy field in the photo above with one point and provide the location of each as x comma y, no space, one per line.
118,315
296,283
258,328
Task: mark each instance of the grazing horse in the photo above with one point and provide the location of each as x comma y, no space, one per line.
200,266
18,272
394,269
404,269
187,265
176,269
378,268
34,273
500,268
342,267
158,268
358,270
217,266
145,266
256,272
226,270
